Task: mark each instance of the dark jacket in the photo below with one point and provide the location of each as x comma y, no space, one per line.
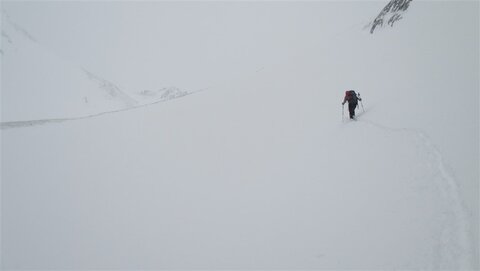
351,97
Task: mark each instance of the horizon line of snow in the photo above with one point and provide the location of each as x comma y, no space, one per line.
30,123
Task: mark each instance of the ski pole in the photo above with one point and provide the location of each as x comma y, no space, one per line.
361,102
343,113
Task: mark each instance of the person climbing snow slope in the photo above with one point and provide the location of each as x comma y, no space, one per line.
352,99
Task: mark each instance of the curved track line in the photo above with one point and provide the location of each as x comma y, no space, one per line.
29,123
456,251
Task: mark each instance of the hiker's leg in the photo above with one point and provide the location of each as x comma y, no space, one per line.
351,109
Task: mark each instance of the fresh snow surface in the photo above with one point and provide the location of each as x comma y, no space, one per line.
256,170
39,85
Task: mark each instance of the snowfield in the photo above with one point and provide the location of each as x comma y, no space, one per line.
256,170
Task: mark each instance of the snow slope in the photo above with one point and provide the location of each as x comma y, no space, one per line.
260,172
38,84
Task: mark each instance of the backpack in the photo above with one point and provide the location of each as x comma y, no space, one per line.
351,96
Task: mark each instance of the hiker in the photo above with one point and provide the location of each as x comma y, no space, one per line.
352,99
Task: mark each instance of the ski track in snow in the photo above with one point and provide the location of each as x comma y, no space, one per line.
30,123
453,249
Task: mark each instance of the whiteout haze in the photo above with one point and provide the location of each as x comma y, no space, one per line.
209,135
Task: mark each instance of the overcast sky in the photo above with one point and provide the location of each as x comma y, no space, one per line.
186,44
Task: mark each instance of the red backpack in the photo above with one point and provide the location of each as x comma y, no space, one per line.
351,96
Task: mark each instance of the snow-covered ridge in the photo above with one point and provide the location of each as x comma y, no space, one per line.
11,31
111,89
15,27
74,92
390,14
28,123
166,93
